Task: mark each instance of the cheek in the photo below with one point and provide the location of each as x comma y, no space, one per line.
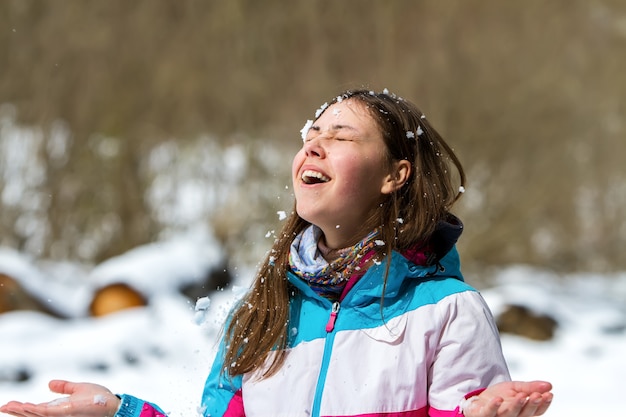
361,178
296,162
356,171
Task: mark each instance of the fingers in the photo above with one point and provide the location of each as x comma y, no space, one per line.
529,405
525,406
492,407
533,399
532,386
18,409
546,401
33,410
57,407
511,407
10,408
60,386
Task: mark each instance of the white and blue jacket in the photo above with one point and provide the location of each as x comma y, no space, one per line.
432,343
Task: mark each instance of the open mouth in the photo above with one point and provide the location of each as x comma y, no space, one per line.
314,177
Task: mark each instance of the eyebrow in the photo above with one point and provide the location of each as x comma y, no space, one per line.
335,127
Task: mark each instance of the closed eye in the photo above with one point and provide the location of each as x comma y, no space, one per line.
335,138
315,131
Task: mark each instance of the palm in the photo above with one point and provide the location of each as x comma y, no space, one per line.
82,399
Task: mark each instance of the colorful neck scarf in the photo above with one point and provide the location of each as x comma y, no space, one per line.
327,279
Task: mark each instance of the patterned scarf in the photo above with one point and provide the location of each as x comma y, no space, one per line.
328,279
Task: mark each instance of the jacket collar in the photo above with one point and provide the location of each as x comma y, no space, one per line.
444,262
442,240
371,286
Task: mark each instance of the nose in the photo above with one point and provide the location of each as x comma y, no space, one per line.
313,148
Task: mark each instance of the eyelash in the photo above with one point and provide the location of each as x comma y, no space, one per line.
317,129
334,138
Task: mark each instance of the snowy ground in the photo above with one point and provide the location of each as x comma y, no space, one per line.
162,352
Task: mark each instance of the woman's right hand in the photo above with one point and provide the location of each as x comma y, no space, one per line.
82,400
512,399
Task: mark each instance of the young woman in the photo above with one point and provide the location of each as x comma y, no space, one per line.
360,308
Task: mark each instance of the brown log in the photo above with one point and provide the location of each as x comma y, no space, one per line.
521,321
115,297
13,297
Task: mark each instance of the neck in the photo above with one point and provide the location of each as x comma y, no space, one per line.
336,238
329,253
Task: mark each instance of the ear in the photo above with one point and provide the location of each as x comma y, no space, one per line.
399,175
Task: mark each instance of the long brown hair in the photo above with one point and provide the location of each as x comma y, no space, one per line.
258,326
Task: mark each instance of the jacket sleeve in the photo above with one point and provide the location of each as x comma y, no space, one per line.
222,395
467,355
134,407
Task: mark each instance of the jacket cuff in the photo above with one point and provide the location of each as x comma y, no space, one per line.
129,406
467,400
474,393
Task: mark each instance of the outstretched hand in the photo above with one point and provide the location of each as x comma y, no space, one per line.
82,400
511,399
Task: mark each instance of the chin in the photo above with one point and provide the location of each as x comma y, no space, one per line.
304,216
308,216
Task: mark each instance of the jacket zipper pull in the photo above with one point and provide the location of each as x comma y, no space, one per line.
333,317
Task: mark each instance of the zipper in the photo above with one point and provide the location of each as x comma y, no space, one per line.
330,325
321,379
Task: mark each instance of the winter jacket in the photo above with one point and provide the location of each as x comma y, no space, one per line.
431,344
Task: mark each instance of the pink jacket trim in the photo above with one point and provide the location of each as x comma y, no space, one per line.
147,410
235,406
457,411
412,413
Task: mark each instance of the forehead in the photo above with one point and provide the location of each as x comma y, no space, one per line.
350,112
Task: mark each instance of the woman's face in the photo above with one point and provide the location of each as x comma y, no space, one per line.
340,174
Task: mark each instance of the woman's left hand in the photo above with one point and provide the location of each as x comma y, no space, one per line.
511,399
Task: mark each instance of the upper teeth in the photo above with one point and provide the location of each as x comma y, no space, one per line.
308,175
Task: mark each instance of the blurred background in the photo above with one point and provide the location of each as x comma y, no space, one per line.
145,155
125,122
